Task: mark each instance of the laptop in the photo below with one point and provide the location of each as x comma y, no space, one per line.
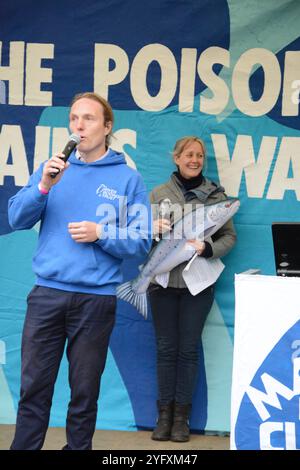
286,243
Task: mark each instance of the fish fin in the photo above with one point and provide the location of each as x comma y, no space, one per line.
163,279
139,301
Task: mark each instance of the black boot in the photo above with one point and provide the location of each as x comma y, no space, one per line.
164,422
180,429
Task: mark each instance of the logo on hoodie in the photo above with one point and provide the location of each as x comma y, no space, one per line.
107,193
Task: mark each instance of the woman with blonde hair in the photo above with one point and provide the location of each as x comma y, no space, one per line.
178,316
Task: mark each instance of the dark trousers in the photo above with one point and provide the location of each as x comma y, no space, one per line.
178,319
54,317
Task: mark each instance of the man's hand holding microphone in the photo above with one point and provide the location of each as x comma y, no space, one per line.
81,232
55,167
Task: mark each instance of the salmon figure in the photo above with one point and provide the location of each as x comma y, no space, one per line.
199,223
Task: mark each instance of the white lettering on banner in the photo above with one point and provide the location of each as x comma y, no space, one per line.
35,74
290,105
296,93
230,168
14,72
103,76
187,80
216,84
243,160
266,430
259,399
273,388
11,142
288,155
240,82
257,170
242,70
138,77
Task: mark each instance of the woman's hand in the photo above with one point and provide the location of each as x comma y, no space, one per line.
198,245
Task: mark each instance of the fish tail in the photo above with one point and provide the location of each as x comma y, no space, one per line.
139,301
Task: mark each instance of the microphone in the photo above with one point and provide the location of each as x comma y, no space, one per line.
74,140
164,213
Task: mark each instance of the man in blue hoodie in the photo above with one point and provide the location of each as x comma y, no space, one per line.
93,214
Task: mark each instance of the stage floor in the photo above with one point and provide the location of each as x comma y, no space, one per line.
122,440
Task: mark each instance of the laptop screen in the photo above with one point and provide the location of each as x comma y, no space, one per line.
286,243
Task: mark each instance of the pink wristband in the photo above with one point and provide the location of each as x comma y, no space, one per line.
42,190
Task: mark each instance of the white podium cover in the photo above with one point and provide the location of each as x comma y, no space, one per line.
265,399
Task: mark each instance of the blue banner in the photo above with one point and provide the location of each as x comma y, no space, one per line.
227,71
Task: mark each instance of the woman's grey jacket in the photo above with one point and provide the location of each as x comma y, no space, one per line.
206,193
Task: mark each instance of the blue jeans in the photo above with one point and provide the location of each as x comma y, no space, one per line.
54,317
178,319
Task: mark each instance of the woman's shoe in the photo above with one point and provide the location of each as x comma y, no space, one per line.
180,430
163,428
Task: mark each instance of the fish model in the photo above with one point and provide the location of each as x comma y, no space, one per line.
173,249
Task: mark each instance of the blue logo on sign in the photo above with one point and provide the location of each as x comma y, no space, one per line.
270,409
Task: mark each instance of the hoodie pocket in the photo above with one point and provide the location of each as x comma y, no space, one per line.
60,258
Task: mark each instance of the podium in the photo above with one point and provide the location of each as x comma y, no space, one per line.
265,398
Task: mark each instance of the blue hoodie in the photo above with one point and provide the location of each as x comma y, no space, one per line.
106,191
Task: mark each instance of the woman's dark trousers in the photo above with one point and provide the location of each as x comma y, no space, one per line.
178,318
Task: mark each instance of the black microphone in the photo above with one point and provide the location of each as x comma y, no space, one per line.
74,140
